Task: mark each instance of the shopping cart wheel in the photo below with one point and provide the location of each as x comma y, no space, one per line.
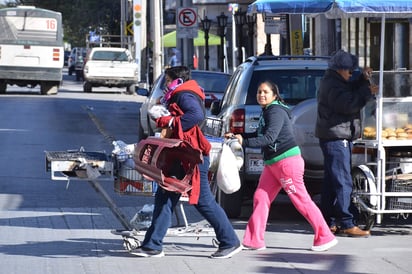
363,189
131,243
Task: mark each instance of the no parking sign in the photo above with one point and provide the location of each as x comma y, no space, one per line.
187,24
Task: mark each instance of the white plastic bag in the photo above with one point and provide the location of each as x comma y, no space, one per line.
158,111
227,177
237,150
122,151
143,218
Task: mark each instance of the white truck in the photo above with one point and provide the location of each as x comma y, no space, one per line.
110,67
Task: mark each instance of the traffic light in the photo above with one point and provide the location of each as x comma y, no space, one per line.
137,9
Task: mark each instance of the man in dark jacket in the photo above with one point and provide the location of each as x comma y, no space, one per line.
341,97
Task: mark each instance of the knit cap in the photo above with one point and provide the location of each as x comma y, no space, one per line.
343,60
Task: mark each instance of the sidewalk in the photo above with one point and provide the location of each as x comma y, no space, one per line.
78,240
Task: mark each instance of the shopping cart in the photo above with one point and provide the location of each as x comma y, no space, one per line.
90,166
120,169
128,181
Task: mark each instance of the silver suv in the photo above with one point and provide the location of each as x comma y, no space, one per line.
298,79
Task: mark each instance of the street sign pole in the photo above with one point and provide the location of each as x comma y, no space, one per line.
186,19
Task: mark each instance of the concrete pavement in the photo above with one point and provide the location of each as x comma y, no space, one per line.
78,240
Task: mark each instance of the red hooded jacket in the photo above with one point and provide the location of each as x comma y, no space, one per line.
193,135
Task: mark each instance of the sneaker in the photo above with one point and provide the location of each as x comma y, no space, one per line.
246,247
326,246
147,252
227,252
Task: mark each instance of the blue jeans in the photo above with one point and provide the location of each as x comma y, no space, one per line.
336,204
207,206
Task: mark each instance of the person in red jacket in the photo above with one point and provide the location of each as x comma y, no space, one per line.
186,106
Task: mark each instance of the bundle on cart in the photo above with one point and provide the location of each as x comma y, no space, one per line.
169,162
128,180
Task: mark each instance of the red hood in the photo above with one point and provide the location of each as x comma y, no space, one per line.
190,85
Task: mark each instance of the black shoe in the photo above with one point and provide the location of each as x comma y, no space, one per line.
334,229
147,252
227,252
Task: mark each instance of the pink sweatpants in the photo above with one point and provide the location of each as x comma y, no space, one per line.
286,174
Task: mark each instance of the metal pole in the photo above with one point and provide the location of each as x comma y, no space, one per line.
233,41
268,46
379,112
207,48
122,21
157,38
187,43
115,210
222,53
239,45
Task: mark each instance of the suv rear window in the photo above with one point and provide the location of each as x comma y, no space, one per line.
295,86
110,56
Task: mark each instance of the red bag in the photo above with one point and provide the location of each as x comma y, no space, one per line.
157,159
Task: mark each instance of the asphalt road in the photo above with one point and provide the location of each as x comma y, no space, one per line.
49,226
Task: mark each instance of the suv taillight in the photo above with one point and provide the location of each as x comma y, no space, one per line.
237,121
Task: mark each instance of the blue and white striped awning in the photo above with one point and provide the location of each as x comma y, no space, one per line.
335,8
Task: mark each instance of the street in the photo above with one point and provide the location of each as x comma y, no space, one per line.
53,227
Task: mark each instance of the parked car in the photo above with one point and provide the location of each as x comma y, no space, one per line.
110,67
213,83
238,112
75,62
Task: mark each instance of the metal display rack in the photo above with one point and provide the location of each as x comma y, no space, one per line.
382,175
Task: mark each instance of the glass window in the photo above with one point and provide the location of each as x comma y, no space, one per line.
110,56
211,82
295,86
228,97
395,83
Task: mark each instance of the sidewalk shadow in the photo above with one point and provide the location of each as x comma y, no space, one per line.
337,264
82,247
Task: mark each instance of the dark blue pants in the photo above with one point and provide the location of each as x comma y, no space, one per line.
336,204
207,206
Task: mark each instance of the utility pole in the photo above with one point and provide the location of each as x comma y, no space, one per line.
122,22
156,24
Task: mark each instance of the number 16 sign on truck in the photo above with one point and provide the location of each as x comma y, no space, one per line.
31,48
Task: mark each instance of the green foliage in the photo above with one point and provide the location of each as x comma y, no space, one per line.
80,16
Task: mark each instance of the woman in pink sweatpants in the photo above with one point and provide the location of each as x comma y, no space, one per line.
284,167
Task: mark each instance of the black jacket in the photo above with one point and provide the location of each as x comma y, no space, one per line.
275,133
339,105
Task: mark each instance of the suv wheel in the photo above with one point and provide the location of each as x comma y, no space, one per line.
87,87
79,75
3,86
